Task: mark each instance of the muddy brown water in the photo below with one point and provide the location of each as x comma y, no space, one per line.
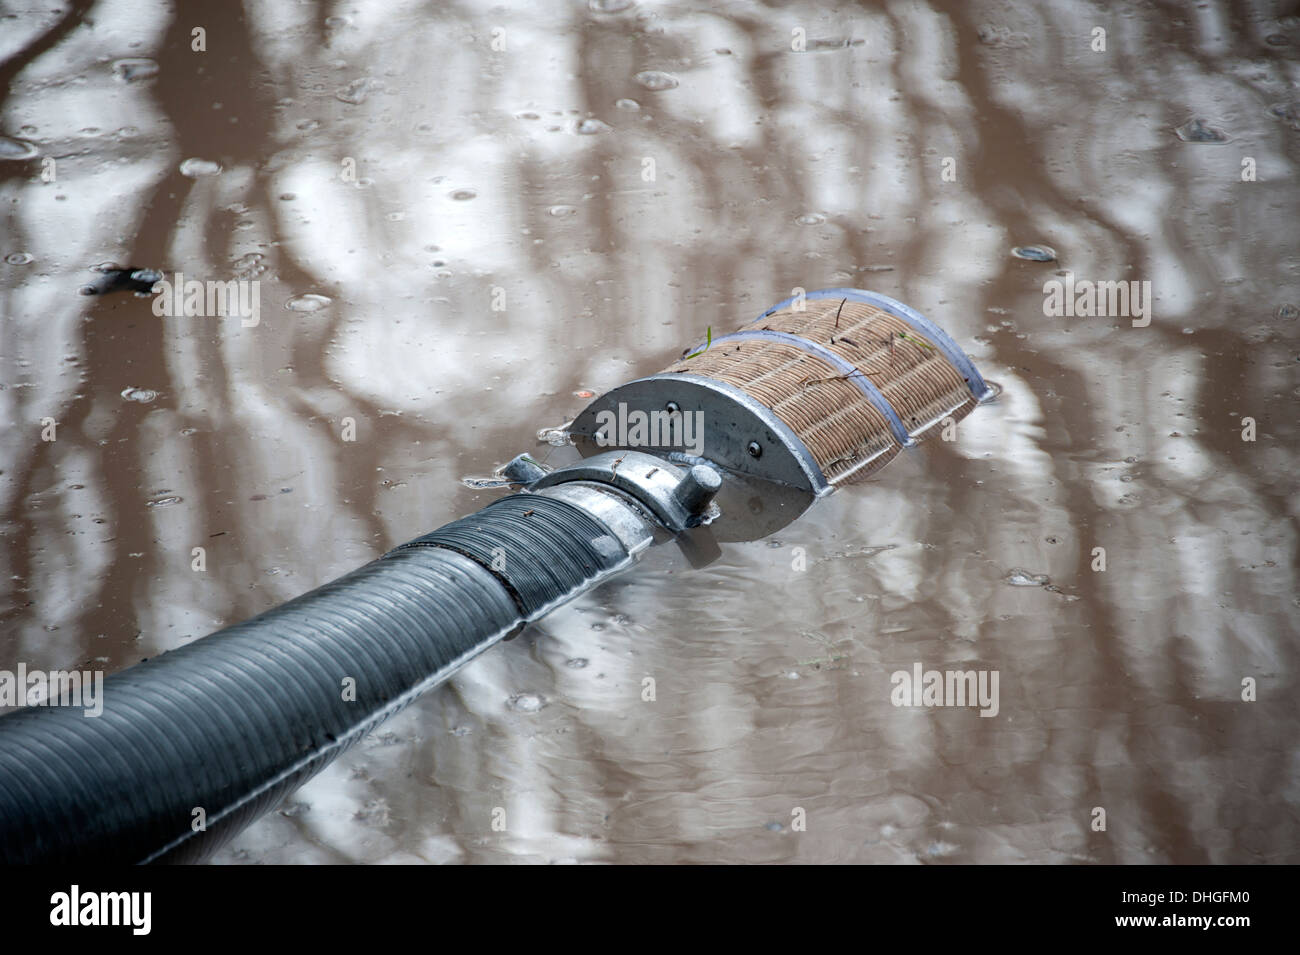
459,218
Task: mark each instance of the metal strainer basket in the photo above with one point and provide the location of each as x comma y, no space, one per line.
820,390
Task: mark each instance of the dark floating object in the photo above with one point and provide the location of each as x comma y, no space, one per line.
1035,253
1289,113
1199,131
133,69
1288,311
113,279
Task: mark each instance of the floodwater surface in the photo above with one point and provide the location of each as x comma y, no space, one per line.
458,217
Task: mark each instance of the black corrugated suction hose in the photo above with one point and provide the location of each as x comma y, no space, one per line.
226,727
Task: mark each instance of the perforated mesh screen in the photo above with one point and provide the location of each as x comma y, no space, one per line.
849,437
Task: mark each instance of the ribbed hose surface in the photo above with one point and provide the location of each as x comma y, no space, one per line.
234,722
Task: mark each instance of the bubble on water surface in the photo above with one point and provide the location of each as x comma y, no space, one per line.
19,258
1035,253
1023,578
525,703
591,127
310,302
249,265
811,218
656,80
194,168
16,149
356,92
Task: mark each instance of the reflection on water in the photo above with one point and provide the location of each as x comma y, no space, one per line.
458,219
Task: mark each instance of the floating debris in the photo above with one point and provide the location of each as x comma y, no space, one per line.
591,127
1035,253
141,395
464,195
310,302
1023,578
1288,311
811,218
824,45
481,483
163,501
999,36
584,393
656,80
577,663
114,279
563,212
356,92
860,552
1289,113
1198,131
194,168
556,437
941,849
608,6
20,258
630,105
134,69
